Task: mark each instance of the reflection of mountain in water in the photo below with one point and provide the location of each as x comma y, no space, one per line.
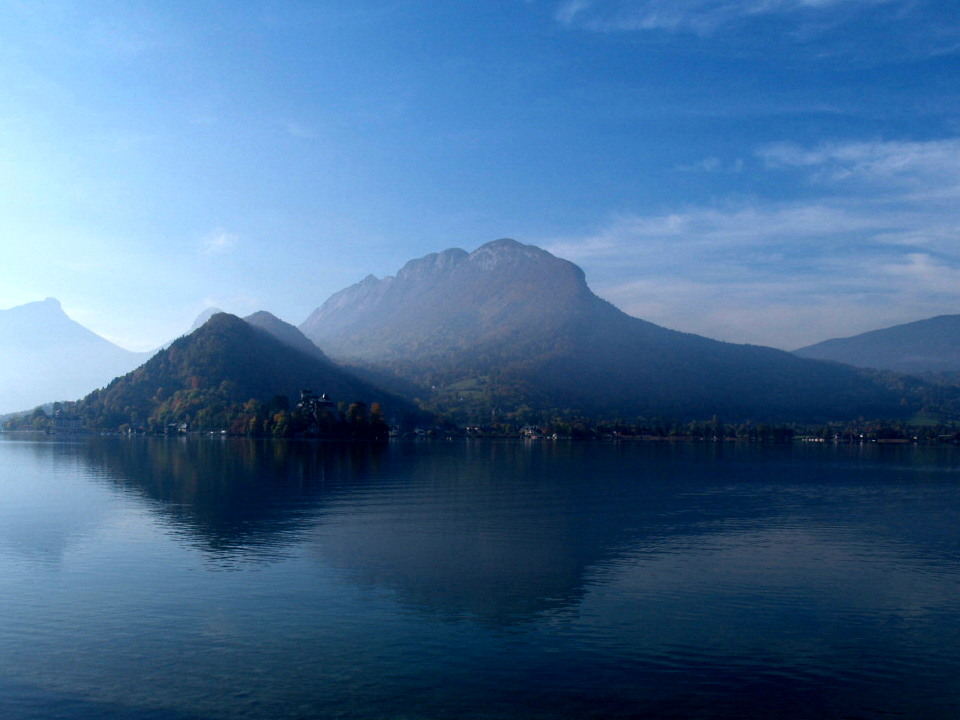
507,530
236,495
498,530
41,516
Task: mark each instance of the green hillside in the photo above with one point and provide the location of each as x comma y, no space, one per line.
231,375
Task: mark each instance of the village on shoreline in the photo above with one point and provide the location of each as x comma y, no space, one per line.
316,418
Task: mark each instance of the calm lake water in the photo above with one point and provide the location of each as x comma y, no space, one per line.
174,579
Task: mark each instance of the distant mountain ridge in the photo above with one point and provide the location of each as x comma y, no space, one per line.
931,345
202,318
47,356
510,325
286,333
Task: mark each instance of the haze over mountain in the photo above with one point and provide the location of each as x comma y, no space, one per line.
286,333
510,325
206,375
202,318
46,356
931,345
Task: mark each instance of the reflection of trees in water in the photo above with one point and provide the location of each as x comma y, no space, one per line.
496,530
235,493
501,530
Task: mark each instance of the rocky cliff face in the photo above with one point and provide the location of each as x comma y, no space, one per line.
526,323
451,300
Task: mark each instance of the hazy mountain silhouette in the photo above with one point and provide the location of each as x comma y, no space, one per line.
203,317
523,327
286,333
931,345
46,356
225,362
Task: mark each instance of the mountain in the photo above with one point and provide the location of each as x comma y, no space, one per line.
197,323
210,377
46,356
510,326
286,333
203,317
931,345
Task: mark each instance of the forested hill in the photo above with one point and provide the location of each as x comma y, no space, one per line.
510,326
226,368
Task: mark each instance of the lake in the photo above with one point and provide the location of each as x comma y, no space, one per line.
223,578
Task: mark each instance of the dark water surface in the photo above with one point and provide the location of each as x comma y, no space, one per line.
176,579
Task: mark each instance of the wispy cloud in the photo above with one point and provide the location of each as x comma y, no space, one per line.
931,168
878,245
219,242
569,11
702,17
713,165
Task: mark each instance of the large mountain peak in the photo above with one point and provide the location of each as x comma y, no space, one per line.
47,306
48,310
45,355
516,313
431,266
448,300
506,251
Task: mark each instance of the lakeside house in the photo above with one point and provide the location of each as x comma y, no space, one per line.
64,424
314,404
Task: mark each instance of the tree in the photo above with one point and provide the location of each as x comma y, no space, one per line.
39,419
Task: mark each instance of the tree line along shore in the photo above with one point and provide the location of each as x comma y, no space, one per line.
357,421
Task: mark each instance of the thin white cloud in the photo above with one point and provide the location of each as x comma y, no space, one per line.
931,167
879,247
568,11
699,16
926,273
713,165
219,242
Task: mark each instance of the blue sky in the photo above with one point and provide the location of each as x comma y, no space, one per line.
767,171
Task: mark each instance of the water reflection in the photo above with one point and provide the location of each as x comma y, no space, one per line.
506,531
234,495
492,529
483,580
41,515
